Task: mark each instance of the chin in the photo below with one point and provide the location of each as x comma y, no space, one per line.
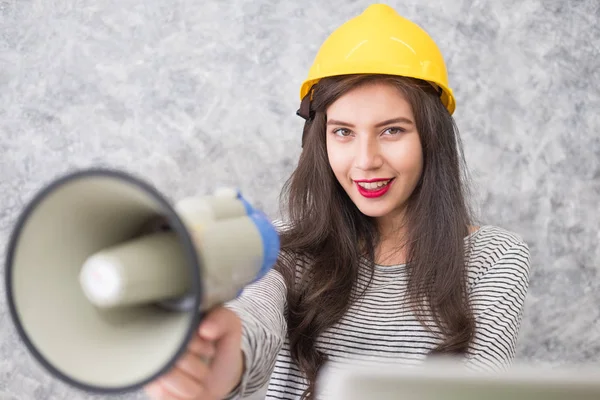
373,210
374,213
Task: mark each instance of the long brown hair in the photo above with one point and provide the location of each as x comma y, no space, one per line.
324,228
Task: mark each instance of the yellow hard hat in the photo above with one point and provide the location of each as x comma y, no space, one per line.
380,41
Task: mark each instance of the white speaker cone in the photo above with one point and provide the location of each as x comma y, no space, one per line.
122,338
102,281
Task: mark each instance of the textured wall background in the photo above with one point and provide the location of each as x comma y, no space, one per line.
193,94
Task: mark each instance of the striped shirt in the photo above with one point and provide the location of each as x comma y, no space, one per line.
378,328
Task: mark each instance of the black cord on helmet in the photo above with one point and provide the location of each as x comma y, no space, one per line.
304,111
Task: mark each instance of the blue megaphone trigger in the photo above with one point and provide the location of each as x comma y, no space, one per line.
269,236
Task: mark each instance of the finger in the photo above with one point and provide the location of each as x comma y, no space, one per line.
180,385
201,347
156,391
224,347
217,323
194,366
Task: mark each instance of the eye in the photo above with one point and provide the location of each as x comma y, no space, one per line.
394,131
343,132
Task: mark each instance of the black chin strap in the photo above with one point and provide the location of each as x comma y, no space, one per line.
304,111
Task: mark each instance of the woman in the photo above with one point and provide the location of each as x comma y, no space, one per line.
380,258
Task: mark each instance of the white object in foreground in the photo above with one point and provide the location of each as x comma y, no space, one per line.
446,380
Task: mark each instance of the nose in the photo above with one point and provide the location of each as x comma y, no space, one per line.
368,153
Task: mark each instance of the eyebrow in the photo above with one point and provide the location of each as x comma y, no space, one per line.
402,120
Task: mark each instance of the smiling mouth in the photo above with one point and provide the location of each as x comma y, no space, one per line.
373,185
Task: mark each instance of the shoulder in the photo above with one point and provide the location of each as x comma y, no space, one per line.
495,250
290,262
280,225
285,228
490,238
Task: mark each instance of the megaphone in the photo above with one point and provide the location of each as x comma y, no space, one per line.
107,281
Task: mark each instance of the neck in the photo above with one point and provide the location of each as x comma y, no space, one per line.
392,249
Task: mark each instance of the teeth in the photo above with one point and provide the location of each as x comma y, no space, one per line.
373,185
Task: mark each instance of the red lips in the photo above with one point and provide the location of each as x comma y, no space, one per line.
372,180
373,193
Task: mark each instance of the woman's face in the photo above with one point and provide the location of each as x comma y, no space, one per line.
374,149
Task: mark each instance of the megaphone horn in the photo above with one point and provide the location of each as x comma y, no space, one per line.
107,282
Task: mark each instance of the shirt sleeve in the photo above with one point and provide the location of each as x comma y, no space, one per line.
498,299
262,309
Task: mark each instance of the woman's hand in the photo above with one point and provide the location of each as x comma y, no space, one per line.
211,367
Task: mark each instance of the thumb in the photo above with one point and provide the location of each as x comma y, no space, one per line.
218,323
224,328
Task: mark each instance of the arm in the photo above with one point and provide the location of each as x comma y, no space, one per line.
498,300
262,310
